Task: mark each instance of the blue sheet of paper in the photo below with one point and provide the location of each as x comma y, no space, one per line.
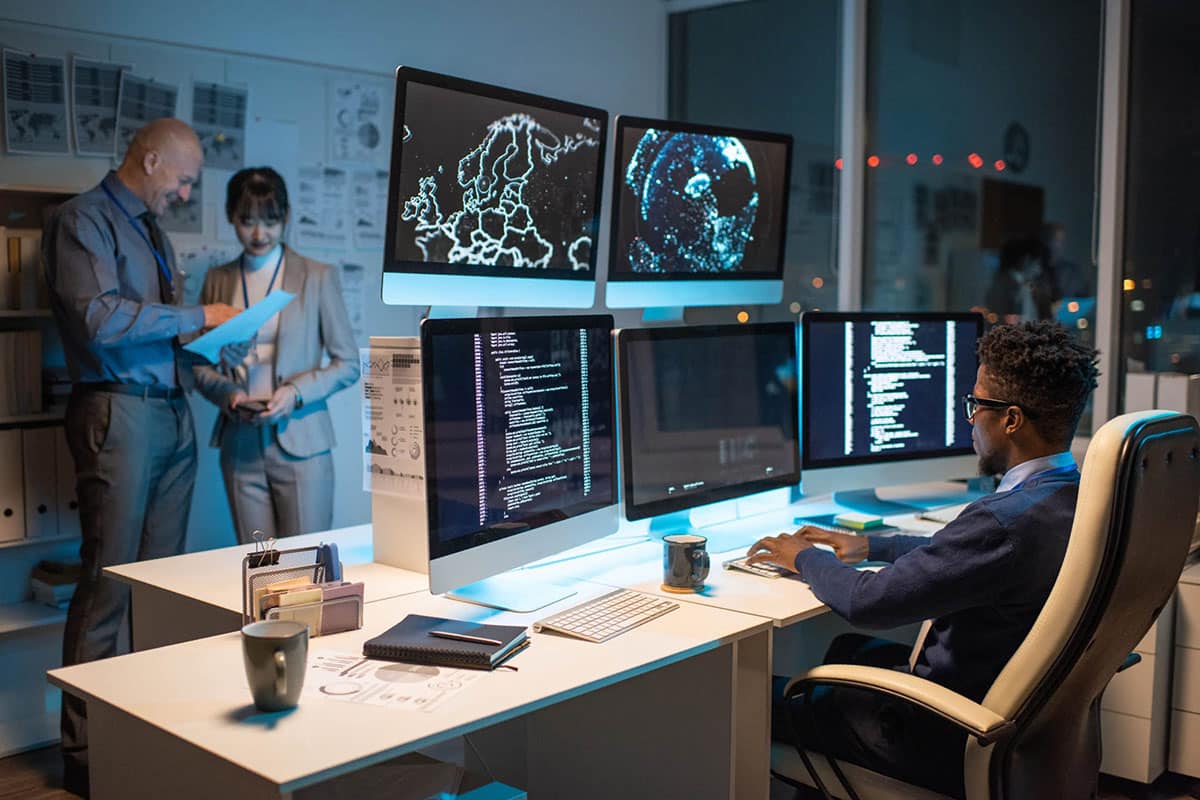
241,327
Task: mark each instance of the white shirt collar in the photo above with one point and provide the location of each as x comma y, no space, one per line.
1027,469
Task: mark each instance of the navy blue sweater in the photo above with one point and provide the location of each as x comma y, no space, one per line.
983,579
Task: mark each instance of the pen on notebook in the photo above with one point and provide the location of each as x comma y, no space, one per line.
463,637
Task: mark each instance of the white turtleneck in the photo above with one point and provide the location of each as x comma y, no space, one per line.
260,361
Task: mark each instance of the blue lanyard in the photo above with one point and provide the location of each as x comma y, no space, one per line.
1046,473
162,262
270,286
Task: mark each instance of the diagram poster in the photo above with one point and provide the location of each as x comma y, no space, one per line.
35,104
356,121
142,100
95,88
219,119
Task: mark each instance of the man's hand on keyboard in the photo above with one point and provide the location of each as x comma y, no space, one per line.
848,547
779,550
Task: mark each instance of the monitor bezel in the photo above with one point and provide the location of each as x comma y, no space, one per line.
807,383
392,265
431,327
622,122
625,337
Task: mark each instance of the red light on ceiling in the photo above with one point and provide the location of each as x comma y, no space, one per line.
873,161
999,165
910,159
937,159
975,160
838,163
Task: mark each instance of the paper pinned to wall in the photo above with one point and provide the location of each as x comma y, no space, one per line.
319,210
95,88
186,216
353,281
195,258
141,100
368,208
275,144
219,119
356,121
35,104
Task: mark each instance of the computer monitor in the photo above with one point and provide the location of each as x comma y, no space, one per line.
519,447
881,401
708,413
699,215
493,197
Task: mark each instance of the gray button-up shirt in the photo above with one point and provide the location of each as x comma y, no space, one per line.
105,294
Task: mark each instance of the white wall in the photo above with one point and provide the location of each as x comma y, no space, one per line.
610,54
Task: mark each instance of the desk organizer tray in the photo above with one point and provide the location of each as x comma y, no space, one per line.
324,617
301,563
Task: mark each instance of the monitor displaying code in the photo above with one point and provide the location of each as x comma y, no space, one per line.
886,387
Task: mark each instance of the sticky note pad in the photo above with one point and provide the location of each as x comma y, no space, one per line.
860,522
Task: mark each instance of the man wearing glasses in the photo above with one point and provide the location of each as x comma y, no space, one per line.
981,580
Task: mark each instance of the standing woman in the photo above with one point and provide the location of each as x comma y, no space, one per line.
274,430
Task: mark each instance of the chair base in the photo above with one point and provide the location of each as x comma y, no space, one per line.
787,766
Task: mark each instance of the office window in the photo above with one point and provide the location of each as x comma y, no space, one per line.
1160,321
981,148
772,65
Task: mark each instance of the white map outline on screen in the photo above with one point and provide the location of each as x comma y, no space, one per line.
494,176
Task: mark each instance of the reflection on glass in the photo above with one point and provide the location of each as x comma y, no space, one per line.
1160,326
983,124
772,66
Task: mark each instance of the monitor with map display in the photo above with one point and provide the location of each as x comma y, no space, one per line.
699,214
493,197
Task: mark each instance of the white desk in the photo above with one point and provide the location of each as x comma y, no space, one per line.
189,596
678,707
785,601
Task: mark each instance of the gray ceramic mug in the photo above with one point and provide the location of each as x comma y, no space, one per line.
685,562
275,653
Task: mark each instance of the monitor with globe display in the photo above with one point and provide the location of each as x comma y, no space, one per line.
493,197
699,215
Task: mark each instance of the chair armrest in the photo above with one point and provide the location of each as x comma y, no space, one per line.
984,724
1130,660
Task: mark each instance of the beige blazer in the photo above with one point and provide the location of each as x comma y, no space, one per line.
313,324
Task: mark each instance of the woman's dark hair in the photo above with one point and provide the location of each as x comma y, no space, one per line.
257,192
1041,367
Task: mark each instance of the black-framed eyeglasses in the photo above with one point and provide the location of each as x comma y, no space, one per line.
972,404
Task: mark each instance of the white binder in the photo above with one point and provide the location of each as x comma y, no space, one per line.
12,491
41,496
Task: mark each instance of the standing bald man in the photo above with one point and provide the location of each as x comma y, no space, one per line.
115,294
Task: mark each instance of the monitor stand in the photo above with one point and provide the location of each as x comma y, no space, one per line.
866,501
451,312
518,591
663,314
727,525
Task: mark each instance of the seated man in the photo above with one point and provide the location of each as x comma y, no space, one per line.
982,579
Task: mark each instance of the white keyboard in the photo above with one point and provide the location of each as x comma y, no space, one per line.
761,570
609,615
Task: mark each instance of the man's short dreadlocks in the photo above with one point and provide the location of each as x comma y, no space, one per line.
1040,366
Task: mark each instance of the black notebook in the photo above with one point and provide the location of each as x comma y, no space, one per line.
412,640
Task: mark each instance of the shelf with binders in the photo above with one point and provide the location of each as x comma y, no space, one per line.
37,475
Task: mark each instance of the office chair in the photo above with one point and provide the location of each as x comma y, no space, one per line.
1037,732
